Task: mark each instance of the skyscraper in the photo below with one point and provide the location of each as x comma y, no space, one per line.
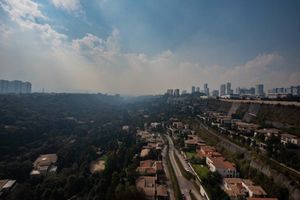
177,92
222,89
193,89
206,89
238,90
259,90
228,88
169,92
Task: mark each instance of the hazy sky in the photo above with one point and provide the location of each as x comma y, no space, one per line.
147,46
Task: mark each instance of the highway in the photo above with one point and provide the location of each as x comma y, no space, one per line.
184,184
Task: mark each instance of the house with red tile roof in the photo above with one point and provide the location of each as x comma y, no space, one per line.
237,188
150,167
206,150
219,164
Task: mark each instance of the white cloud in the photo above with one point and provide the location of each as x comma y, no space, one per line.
68,5
22,10
5,31
255,70
90,43
97,64
97,48
27,14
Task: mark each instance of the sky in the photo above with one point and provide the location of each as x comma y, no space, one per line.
145,47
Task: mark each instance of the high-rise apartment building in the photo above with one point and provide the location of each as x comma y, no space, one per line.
222,89
245,91
169,92
228,88
259,90
295,90
14,87
177,92
193,89
206,89
284,92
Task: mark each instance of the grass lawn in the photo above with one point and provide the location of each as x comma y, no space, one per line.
190,154
201,171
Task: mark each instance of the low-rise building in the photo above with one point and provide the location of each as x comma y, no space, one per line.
7,186
193,142
237,188
289,139
268,132
144,153
150,168
145,136
178,125
223,167
233,187
44,164
162,192
147,185
206,151
255,191
155,125
152,190
126,128
225,121
243,126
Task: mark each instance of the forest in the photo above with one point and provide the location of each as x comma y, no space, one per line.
75,127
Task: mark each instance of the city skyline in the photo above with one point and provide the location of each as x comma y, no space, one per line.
137,48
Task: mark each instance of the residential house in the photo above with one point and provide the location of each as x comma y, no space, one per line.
193,142
268,132
233,187
177,125
237,188
162,192
219,164
44,164
7,186
150,167
206,151
147,184
243,126
290,139
225,121
125,128
144,153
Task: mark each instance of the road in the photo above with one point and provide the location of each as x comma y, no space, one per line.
184,184
169,183
284,103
